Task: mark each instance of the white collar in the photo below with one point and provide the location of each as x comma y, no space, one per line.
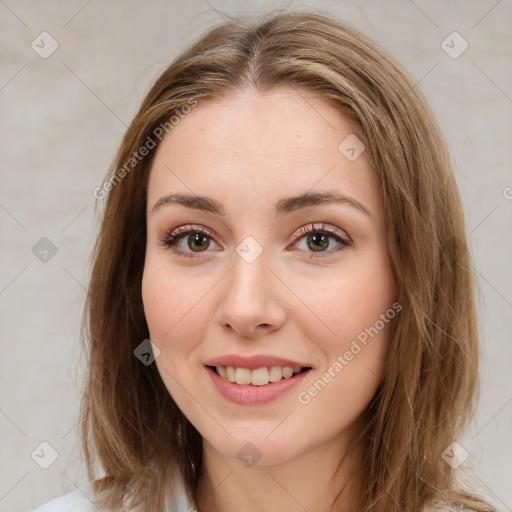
180,501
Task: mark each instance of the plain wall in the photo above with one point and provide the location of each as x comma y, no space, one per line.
61,122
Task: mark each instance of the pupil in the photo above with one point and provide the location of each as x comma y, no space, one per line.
198,242
318,241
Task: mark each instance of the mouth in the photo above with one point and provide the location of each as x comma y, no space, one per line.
262,376
255,379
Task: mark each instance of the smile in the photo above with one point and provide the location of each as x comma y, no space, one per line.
255,386
257,377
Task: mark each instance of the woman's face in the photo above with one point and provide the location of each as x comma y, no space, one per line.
250,269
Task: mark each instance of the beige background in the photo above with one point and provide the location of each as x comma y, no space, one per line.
62,119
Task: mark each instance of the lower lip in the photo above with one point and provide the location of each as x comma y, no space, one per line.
249,394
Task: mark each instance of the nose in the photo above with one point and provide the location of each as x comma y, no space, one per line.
251,302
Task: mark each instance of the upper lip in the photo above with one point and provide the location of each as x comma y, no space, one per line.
253,362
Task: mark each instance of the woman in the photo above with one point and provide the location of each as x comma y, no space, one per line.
281,311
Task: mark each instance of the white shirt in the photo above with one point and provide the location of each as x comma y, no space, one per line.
79,501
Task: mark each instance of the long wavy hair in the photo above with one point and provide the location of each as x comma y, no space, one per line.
130,424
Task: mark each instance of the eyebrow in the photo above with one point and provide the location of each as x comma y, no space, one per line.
283,206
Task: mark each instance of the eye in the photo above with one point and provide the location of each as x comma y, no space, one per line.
188,241
318,238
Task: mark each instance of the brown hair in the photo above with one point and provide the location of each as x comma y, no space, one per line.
428,390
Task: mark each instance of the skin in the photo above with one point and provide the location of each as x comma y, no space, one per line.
247,151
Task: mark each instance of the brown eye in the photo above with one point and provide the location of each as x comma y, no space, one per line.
198,242
189,241
321,239
318,242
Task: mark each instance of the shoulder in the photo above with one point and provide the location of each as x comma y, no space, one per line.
75,501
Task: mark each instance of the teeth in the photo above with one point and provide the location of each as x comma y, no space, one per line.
257,377
230,373
275,374
287,372
243,376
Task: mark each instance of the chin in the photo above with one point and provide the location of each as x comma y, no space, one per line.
252,449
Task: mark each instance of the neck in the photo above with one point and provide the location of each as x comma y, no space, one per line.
311,481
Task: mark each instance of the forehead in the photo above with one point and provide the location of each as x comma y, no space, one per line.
253,144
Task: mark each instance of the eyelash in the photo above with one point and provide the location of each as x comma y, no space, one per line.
170,238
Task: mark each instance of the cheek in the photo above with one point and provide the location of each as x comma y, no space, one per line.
355,360
173,310
348,302
176,319
356,309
